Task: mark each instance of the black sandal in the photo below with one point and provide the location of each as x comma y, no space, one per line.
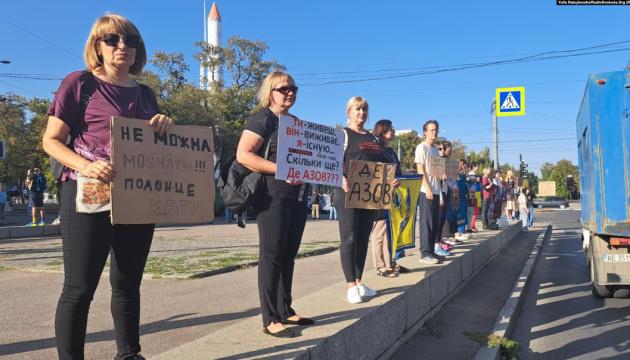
387,273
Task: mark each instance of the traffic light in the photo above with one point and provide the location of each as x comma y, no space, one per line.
523,169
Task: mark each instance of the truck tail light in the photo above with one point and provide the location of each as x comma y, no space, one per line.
618,241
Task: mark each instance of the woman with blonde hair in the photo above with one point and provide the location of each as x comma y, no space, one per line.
355,225
113,53
280,207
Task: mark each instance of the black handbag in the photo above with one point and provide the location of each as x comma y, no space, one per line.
239,185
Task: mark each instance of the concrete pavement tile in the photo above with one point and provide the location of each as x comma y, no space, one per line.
418,298
454,270
467,265
438,280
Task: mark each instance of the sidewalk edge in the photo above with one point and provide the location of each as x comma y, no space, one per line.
505,322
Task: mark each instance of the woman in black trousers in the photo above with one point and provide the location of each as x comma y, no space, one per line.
280,208
113,53
355,225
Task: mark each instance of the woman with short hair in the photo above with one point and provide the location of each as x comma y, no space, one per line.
113,53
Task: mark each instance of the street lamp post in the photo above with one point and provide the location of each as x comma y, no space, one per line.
495,132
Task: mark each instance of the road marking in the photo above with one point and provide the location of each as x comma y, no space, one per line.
560,254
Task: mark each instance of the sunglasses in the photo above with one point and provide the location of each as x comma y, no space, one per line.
441,149
285,90
113,39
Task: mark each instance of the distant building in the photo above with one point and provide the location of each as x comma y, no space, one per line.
212,35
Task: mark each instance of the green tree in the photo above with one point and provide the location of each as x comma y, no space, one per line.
22,124
232,102
482,158
185,103
459,150
559,174
408,142
545,170
12,127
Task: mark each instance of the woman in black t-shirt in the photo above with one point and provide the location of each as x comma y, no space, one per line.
280,208
355,225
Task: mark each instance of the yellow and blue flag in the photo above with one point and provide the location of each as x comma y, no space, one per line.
401,218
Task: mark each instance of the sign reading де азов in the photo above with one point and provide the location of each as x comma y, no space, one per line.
309,152
161,178
369,184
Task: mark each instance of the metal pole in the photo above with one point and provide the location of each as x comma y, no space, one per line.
495,132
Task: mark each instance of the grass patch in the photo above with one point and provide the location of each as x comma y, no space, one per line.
214,259
509,348
189,265
56,262
5,268
166,265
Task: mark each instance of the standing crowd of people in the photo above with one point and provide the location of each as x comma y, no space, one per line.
114,53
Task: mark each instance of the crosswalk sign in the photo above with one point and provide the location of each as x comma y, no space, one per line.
510,101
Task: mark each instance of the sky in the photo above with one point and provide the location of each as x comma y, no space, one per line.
330,41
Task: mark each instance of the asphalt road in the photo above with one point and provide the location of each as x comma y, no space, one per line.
560,319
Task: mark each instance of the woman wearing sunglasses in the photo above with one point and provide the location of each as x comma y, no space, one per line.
280,207
113,53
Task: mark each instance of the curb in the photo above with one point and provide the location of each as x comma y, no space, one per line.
224,270
506,319
20,232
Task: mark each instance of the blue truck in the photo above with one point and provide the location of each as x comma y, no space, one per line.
603,136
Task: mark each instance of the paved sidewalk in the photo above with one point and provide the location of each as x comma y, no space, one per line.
177,252
174,312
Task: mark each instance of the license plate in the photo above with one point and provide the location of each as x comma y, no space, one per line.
617,258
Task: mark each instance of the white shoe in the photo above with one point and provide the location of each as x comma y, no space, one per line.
366,291
353,295
450,241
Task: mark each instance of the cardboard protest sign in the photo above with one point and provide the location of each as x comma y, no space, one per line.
436,166
452,169
161,178
309,152
547,188
369,184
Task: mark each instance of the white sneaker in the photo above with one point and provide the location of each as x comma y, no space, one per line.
450,241
366,291
353,295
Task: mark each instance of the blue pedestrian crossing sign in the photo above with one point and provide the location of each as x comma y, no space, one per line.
510,101
2,154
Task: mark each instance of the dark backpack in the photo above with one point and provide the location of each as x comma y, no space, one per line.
40,183
238,185
87,89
